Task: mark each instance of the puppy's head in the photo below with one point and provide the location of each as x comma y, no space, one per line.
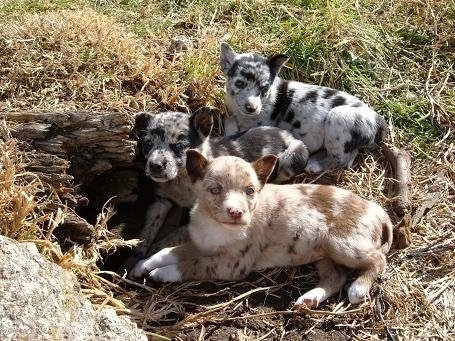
227,187
164,138
249,77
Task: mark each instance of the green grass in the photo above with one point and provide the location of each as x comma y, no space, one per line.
410,117
17,7
412,36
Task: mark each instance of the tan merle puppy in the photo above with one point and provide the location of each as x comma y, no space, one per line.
240,224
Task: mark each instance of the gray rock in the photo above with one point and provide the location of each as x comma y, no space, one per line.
41,301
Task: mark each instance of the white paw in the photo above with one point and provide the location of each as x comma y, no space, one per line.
312,298
313,167
357,293
158,260
168,273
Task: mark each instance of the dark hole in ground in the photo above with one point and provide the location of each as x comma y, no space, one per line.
130,192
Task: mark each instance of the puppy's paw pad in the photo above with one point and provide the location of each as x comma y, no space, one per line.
357,293
168,273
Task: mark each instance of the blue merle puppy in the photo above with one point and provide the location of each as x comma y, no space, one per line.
332,123
164,138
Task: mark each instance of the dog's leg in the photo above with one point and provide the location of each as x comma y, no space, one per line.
154,219
322,161
194,266
161,253
346,130
186,262
331,279
360,288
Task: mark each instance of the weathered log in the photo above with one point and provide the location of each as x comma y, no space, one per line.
66,150
401,165
52,170
93,142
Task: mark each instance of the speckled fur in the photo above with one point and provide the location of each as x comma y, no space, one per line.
164,138
240,225
333,123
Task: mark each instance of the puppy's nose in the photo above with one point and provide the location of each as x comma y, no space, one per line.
250,108
157,166
234,213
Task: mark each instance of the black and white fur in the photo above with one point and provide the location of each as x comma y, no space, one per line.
333,123
164,138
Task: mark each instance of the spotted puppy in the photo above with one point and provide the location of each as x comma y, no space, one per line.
163,139
331,122
240,224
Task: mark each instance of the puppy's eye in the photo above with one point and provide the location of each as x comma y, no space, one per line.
249,191
215,190
240,84
264,89
178,148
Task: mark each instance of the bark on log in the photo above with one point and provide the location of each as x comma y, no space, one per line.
93,142
401,165
68,149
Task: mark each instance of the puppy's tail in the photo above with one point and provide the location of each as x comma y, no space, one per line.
387,233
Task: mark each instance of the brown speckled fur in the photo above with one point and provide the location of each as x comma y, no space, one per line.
240,224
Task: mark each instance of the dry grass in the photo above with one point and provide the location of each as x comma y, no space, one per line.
114,55
85,60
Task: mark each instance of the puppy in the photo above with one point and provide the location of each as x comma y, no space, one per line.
241,224
331,122
164,138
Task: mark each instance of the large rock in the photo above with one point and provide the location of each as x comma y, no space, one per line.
41,301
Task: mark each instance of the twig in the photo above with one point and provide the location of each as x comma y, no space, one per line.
401,165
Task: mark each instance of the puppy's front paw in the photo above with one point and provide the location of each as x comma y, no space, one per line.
158,260
311,299
169,273
357,293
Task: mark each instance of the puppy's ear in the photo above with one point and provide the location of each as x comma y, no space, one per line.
196,164
276,62
203,121
264,167
141,121
227,57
